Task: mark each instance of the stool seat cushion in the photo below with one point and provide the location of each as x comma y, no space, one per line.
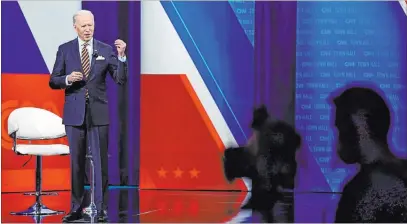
30,123
42,150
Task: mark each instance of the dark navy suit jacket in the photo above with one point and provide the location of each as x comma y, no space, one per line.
67,61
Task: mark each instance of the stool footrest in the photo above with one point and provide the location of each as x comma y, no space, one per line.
42,193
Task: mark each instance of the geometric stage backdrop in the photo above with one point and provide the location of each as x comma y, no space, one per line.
191,89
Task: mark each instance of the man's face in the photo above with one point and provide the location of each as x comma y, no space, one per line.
348,147
84,26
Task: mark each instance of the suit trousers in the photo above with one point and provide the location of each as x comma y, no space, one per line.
79,139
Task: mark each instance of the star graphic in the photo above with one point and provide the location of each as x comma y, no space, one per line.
162,172
178,172
194,173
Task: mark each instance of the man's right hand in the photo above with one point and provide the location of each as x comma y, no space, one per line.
74,77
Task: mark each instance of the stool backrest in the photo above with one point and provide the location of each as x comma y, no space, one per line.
32,123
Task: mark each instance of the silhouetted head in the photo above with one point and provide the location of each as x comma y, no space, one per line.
260,116
280,138
274,135
361,116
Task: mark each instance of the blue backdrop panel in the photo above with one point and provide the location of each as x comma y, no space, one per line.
338,43
25,58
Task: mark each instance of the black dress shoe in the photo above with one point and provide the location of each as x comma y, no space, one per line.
73,216
102,216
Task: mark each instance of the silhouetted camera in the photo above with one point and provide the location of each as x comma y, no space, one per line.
276,141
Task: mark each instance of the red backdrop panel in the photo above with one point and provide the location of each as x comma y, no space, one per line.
22,90
179,146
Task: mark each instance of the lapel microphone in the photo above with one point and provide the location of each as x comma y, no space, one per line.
95,53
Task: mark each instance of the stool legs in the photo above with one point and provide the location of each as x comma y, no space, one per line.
91,209
38,209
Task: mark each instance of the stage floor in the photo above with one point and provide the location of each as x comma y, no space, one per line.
130,205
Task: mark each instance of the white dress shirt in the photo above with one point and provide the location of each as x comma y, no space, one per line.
90,52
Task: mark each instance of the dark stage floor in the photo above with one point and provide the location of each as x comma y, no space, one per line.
130,205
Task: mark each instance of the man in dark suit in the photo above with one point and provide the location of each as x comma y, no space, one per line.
81,68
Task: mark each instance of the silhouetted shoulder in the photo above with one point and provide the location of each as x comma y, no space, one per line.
374,195
346,209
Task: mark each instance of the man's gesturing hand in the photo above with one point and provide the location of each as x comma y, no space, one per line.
74,77
120,46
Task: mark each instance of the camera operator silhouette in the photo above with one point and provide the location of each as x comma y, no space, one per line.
268,159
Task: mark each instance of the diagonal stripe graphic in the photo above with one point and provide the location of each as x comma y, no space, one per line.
209,70
228,53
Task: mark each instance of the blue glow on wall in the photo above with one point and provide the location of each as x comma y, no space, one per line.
337,43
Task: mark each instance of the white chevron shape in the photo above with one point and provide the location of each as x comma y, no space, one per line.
163,52
51,24
403,4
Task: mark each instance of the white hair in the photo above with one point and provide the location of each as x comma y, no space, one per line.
81,12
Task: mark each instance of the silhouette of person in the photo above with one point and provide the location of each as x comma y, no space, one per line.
378,191
274,145
268,159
